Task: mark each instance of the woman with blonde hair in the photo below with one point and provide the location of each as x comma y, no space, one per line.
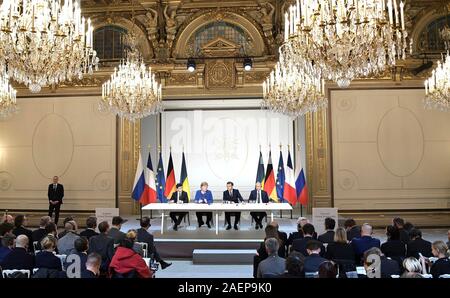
46,258
442,265
204,196
411,265
132,236
340,249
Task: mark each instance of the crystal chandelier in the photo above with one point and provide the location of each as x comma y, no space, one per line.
294,89
437,87
8,104
45,42
132,92
347,39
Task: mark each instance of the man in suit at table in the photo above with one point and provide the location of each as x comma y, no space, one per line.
258,196
178,197
233,196
55,198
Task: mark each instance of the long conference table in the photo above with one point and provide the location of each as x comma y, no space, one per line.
216,208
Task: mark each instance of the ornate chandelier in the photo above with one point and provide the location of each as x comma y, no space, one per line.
437,87
294,89
8,104
132,92
347,39
45,42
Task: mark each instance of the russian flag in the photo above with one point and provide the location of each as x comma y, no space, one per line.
139,181
149,195
290,194
300,183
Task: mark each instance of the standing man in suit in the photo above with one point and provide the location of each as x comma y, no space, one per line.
258,196
234,196
178,197
143,235
55,198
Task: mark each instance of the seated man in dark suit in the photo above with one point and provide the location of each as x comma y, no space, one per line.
258,196
328,236
399,223
314,259
20,222
81,246
282,236
363,243
178,197
353,231
388,267
19,258
115,232
300,244
143,235
93,263
418,245
103,245
40,233
7,242
232,196
91,224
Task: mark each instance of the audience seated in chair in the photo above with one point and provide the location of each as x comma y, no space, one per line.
115,232
143,235
327,269
66,243
442,265
314,259
328,236
353,231
19,258
81,247
299,234
365,242
91,224
261,253
40,233
20,222
294,266
394,248
399,223
92,268
388,267
66,220
411,265
341,252
300,244
8,242
46,258
273,265
103,245
417,245
125,261
132,235
282,238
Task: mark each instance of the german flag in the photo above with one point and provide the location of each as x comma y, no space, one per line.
170,180
269,183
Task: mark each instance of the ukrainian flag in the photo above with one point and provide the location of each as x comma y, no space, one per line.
184,178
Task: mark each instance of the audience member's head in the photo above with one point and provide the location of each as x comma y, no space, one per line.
8,218
8,240
398,222
340,236
275,224
132,235
70,226
349,223
93,262
5,228
408,226
22,241
271,232
20,220
366,230
103,227
440,249
327,270
392,233
330,223
91,222
44,221
126,243
295,263
272,246
302,221
415,234
412,265
313,247
48,243
81,244
299,227
117,221
145,222
67,219
51,229
308,230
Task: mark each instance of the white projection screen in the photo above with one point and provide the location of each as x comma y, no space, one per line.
223,145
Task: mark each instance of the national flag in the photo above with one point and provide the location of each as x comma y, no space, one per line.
280,179
139,181
160,180
149,195
300,183
260,171
269,182
184,178
290,194
170,180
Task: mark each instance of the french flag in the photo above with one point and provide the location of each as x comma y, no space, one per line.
139,181
290,194
300,183
149,195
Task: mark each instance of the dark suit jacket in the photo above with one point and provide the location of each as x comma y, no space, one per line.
297,235
236,197
88,233
116,234
88,274
418,245
46,259
389,267
104,246
393,248
144,236
354,232
183,197
404,236
361,244
24,231
253,196
327,237
312,263
440,267
56,195
300,246
38,234
18,258
340,251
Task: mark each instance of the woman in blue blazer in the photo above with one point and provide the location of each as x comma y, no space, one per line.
204,196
